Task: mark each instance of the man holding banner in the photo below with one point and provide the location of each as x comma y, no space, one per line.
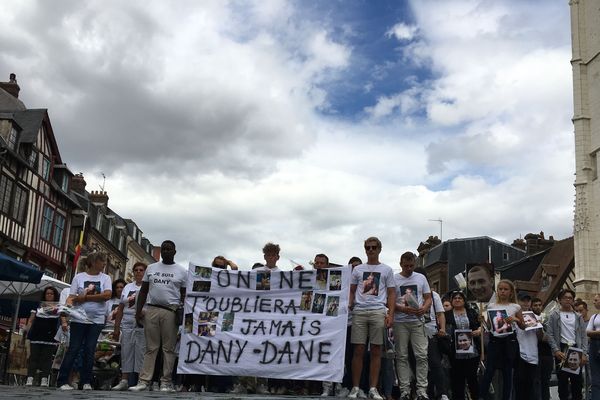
372,299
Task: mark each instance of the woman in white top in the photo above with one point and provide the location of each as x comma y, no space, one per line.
89,290
593,332
133,342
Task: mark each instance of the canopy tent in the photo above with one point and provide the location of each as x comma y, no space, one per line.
13,270
20,290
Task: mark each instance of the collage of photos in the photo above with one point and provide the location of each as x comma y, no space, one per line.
572,363
463,341
499,324
203,272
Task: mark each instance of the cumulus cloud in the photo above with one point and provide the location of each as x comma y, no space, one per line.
207,119
402,31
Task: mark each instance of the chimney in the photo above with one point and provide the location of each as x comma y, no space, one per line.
98,197
520,244
11,86
78,183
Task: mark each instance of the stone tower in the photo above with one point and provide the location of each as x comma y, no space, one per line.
585,36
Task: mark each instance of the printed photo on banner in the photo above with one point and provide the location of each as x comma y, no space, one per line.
318,303
371,283
333,304
227,325
335,280
263,280
208,316
306,300
207,330
408,294
201,286
321,279
188,323
203,272
500,327
572,364
92,287
531,321
463,341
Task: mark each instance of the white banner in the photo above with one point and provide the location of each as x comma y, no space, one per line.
284,324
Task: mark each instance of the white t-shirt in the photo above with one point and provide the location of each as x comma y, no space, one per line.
165,282
265,268
567,326
497,313
431,325
528,345
111,311
594,323
128,298
407,291
94,284
372,283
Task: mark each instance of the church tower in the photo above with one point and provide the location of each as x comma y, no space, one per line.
585,37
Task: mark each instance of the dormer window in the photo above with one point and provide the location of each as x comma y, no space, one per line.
13,138
65,183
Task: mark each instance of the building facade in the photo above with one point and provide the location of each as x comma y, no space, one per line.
37,205
585,35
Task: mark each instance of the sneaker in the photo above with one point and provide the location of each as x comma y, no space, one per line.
405,397
66,386
354,392
87,386
444,397
167,387
121,385
361,394
341,392
29,381
326,389
139,387
155,387
374,394
238,388
422,396
262,389
44,382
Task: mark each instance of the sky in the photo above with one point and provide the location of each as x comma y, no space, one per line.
223,125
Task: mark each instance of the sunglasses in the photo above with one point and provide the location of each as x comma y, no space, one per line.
371,247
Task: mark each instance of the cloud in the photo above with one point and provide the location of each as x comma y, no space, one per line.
402,31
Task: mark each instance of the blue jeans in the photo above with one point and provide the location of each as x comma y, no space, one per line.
84,337
595,366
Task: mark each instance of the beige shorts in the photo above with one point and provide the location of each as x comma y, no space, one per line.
368,324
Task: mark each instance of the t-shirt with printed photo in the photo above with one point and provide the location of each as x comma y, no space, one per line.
84,283
409,293
128,299
372,282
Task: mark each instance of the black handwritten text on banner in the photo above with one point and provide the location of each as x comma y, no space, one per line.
280,324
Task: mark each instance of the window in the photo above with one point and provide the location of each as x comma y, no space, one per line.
505,256
6,186
65,183
111,230
46,169
59,229
121,240
99,220
12,139
47,222
32,158
20,204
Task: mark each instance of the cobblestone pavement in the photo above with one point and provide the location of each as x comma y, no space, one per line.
21,392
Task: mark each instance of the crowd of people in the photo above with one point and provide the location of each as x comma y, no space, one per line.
404,340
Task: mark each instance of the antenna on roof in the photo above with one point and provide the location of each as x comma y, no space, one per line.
103,181
441,223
